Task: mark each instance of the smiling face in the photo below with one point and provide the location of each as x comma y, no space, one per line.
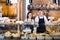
29,15
40,13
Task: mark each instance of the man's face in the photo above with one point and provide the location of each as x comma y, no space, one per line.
40,13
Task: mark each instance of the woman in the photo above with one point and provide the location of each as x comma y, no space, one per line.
29,18
29,21
41,21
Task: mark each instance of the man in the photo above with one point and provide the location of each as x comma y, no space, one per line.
41,21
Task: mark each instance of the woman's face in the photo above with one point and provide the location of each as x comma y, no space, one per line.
30,15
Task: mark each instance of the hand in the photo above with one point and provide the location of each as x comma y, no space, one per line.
59,20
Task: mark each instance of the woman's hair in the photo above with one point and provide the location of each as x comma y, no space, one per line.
28,15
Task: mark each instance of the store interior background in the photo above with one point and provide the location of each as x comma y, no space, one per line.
10,9
18,9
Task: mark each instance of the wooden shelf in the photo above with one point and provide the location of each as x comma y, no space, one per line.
44,8
32,7
2,1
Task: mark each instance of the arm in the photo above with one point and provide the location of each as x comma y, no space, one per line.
46,21
25,20
32,22
36,21
29,21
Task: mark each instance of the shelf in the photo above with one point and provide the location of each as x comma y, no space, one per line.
44,9
2,1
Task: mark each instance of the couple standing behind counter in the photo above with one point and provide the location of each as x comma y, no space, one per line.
39,20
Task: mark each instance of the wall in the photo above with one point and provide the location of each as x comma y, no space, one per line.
56,14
